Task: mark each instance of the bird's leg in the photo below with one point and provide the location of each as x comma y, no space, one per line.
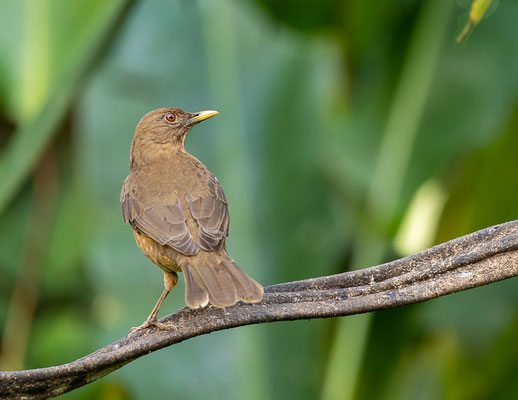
170,280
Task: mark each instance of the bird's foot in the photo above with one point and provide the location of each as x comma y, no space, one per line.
152,323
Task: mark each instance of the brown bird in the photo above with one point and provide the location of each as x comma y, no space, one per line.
179,215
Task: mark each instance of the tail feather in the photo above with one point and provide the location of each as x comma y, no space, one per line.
222,284
218,283
195,295
247,289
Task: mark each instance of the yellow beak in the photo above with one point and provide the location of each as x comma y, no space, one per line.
202,116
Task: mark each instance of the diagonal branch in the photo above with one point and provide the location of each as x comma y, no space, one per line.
477,259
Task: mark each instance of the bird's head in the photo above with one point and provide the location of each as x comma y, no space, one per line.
169,125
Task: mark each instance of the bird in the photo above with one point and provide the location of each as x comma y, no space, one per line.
179,215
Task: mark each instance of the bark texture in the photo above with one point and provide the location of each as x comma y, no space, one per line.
477,259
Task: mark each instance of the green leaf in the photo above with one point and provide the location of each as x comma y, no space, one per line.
477,11
39,122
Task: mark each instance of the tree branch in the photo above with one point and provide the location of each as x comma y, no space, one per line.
477,259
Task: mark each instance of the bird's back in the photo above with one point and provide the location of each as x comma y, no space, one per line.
178,174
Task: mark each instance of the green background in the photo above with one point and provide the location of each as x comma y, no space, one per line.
350,133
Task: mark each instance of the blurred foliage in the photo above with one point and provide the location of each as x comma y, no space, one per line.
476,13
333,115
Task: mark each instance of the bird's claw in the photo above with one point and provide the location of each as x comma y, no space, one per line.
152,323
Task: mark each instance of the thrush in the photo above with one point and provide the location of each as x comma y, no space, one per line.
179,215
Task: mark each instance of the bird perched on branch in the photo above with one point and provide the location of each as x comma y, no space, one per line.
179,214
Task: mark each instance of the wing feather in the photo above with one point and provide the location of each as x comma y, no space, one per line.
211,214
165,224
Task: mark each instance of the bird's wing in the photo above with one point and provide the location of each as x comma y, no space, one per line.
164,223
211,214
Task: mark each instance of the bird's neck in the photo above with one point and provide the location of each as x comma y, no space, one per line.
147,153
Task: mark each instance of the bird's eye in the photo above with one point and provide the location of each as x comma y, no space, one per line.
170,117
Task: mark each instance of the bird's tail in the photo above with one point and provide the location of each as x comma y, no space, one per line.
222,283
